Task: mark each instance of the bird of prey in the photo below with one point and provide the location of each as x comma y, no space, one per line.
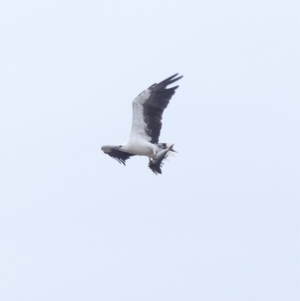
148,108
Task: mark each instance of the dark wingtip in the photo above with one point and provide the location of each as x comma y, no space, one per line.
121,161
170,80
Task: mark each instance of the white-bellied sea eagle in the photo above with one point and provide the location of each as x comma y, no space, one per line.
148,108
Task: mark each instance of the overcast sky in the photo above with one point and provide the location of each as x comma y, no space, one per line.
221,222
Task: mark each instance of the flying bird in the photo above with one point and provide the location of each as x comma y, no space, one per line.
148,108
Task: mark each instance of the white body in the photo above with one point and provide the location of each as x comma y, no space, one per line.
140,147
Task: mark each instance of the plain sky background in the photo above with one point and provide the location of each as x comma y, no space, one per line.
221,222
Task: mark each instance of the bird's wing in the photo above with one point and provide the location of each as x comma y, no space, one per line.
119,155
148,108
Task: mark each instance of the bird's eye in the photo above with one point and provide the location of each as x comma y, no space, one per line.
120,145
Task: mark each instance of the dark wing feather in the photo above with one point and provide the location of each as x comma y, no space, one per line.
154,107
120,156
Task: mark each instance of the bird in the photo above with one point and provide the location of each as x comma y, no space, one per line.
147,112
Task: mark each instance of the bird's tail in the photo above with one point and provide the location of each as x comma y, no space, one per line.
156,163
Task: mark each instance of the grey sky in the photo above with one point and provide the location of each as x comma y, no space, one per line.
221,222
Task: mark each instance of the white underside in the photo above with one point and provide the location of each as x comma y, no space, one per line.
140,147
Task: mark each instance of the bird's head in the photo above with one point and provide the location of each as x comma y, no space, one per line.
108,148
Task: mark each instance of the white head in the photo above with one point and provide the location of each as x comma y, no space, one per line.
108,148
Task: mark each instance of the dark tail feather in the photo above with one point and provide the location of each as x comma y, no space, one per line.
156,168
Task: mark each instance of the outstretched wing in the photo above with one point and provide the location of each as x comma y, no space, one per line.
119,155
148,108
